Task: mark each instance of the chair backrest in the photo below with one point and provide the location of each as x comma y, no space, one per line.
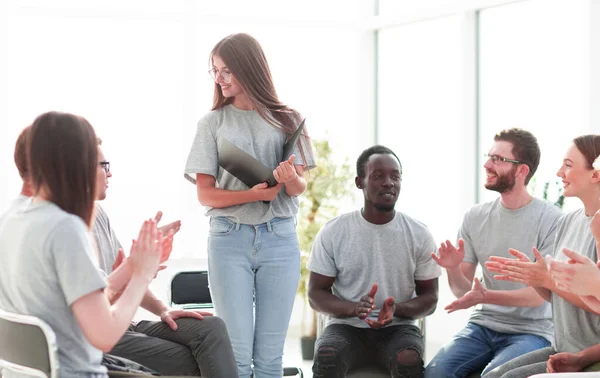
27,346
191,288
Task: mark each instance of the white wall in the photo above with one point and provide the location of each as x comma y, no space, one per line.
444,81
137,71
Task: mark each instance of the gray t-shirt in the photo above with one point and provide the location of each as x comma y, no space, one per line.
250,132
106,240
46,264
18,203
576,329
359,254
490,229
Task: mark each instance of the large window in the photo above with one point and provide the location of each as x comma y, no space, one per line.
533,75
124,76
138,72
421,102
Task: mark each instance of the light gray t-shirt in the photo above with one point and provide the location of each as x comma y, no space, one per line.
576,329
46,264
106,240
18,203
490,229
250,132
359,254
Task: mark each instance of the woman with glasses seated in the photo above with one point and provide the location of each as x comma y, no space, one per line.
48,267
253,252
577,328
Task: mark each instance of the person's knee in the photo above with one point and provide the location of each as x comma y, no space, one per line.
328,349
408,363
327,353
216,324
439,366
408,357
206,326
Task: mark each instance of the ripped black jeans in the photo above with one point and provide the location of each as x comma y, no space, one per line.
342,348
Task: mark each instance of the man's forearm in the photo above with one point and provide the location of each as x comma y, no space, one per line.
151,303
459,284
525,297
325,302
418,307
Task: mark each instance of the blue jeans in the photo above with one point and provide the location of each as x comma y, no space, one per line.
253,273
477,348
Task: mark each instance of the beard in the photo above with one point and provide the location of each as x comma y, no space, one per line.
504,182
386,208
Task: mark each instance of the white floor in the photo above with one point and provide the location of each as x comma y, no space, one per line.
440,326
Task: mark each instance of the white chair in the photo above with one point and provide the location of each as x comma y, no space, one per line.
27,346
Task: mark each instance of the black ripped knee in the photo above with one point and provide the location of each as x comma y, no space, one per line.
408,364
327,355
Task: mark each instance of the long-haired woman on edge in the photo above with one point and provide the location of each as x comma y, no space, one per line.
48,266
253,252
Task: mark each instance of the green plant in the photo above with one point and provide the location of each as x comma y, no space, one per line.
328,186
550,189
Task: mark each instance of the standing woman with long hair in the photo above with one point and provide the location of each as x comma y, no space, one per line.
48,267
253,251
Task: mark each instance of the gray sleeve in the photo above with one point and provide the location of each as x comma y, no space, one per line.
470,255
548,239
106,240
426,267
115,246
321,259
116,241
204,156
72,254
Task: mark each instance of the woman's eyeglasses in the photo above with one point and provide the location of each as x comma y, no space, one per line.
225,75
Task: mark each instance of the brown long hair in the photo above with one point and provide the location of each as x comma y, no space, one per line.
244,57
589,146
62,156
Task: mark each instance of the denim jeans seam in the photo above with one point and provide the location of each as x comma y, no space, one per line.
230,228
468,362
276,255
284,236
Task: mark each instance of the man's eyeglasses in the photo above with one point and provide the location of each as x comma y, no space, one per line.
497,159
105,165
226,76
